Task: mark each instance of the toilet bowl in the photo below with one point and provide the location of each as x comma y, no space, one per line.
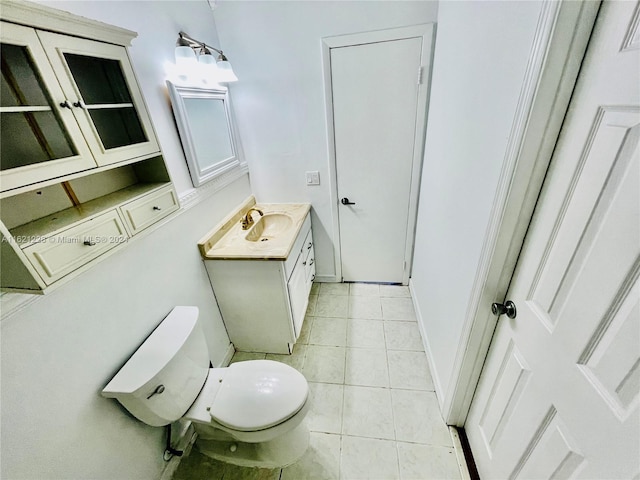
250,413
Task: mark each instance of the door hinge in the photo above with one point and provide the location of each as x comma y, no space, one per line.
420,70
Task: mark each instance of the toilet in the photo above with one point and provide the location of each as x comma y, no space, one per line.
250,413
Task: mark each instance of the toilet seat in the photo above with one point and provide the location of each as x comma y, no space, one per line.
257,395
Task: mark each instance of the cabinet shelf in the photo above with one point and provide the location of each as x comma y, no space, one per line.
50,225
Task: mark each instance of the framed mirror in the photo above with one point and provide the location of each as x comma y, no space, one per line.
204,122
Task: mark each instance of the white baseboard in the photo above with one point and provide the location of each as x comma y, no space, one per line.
327,279
228,356
427,348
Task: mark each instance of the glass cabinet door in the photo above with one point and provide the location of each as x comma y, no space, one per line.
40,138
99,80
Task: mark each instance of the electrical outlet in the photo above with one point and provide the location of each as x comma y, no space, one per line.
313,178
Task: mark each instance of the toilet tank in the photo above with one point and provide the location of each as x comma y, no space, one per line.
164,376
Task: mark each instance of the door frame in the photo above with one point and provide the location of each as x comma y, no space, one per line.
427,33
559,46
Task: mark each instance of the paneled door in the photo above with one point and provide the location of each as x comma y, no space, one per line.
379,88
560,390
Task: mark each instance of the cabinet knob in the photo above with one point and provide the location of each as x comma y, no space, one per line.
309,246
311,262
89,243
156,208
78,104
65,104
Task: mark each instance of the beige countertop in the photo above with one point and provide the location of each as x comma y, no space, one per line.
227,240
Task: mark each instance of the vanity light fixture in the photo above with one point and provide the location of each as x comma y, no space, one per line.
191,52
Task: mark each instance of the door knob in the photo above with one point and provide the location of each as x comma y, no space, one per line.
508,307
345,201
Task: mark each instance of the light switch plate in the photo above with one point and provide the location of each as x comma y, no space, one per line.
313,178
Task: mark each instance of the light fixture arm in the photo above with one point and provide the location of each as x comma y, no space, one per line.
185,40
189,49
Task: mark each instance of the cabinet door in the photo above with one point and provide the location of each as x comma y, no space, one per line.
40,136
100,83
298,294
310,267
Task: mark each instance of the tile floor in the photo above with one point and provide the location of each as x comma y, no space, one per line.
374,413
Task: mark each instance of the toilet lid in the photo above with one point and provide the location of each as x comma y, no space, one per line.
258,394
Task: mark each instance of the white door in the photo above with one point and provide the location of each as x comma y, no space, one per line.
559,393
379,107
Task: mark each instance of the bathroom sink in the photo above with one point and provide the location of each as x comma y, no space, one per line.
269,226
270,237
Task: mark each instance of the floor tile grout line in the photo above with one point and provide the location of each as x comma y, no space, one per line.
393,415
398,460
409,442
342,423
343,384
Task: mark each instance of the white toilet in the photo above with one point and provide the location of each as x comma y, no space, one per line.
250,413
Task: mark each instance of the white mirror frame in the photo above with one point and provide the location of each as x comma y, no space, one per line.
202,169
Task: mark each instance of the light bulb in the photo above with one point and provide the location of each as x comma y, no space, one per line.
225,72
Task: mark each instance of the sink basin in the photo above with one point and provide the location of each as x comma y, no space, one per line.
271,237
268,227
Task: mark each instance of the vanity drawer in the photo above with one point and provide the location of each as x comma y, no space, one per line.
68,250
145,211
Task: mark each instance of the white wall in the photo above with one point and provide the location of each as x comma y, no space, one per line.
59,351
275,48
482,50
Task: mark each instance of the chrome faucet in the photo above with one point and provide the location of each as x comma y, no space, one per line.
247,220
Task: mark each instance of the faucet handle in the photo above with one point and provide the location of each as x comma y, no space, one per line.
247,220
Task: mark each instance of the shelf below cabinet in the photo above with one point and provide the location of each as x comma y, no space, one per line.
40,252
51,225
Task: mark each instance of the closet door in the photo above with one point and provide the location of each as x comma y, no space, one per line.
100,83
40,136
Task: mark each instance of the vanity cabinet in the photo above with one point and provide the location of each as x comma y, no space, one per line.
81,171
263,301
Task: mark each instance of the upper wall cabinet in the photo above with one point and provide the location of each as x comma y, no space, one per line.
41,138
81,171
68,104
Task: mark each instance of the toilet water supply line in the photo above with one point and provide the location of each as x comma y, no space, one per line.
169,451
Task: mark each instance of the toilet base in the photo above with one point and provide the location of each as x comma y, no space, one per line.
277,453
